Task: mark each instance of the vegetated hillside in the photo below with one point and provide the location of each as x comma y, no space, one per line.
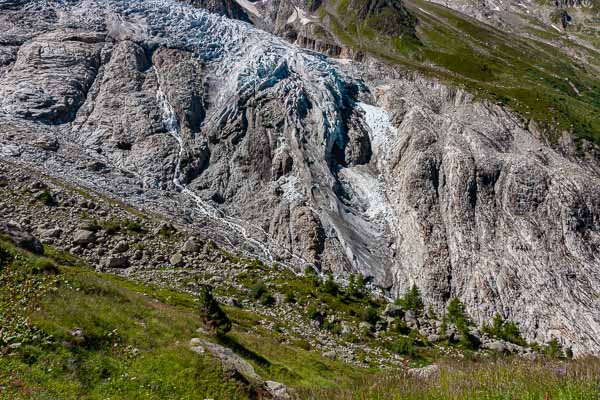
71,331
68,332
531,75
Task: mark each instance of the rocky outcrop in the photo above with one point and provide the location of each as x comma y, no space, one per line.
51,76
226,8
389,17
237,368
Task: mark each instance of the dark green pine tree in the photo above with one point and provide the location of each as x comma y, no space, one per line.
212,316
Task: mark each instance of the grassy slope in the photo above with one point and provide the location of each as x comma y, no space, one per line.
136,347
530,76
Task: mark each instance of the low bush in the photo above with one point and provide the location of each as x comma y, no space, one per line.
330,286
133,226
505,330
553,349
412,301
370,315
404,346
257,290
46,198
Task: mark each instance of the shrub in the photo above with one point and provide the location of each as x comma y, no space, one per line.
110,227
267,299
312,312
553,349
211,314
569,353
431,313
290,297
134,226
457,315
311,274
303,344
330,286
370,315
168,230
5,257
46,198
30,354
505,330
404,346
43,265
356,286
412,301
261,293
258,289
400,326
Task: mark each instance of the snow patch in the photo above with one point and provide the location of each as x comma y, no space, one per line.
380,125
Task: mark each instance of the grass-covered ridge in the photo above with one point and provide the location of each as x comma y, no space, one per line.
527,74
68,332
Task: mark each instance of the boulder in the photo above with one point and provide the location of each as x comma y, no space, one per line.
498,346
176,260
117,262
411,319
429,372
138,255
83,237
21,238
346,329
433,338
279,391
121,247
50,233
365,326
191,246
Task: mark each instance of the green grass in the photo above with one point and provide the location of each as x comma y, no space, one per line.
135,337
504,379
135,342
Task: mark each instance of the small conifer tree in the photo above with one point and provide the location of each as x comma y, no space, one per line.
212,316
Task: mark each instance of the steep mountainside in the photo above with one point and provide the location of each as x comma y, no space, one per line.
299,159
514,53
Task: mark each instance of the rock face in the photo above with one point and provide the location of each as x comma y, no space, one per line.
227,8
51,76
297,159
